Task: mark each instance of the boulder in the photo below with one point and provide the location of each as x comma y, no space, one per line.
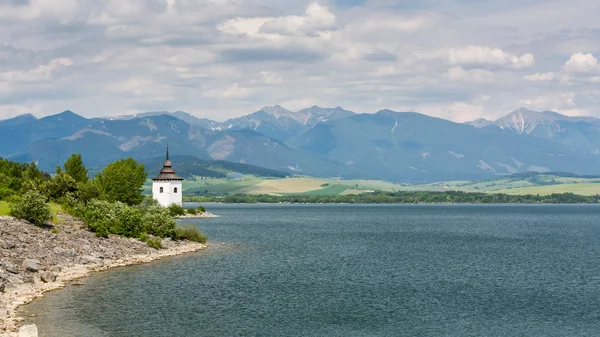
47,276
28,331
31,265
11,268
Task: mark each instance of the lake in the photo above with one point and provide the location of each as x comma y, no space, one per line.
354,270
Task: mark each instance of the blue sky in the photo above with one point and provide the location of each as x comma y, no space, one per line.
459,60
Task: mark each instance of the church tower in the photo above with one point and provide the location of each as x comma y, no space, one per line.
167,186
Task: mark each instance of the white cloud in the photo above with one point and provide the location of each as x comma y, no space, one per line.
537,77
582,63
486,56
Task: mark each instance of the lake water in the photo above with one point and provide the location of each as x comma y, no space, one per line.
425,270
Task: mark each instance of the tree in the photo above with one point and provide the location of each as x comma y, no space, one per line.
31,207
75,168
122,181
60,185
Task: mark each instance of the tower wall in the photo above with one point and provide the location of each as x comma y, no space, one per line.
169,196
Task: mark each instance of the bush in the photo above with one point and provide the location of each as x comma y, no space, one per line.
154,243
201,209
190,233
103,218
31,207
143,237
176,210
192,211
147,202
60,185
159,222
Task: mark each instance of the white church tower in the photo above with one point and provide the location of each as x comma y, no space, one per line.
167,186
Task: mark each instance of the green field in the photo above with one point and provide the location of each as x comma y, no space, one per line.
310,186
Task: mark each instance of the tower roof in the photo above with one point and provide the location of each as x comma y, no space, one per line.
167,172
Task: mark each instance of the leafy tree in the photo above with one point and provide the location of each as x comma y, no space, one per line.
60,185
75,168
87,191
122,181
31,207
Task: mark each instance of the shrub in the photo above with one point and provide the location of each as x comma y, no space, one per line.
201,209
31,207
190,233
176,210
143,237
54,231
60,185
159,222
103,218
147,202
154,243
192,211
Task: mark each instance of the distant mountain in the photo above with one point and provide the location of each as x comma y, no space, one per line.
273,121
578,133
413,147
51,140
480,122
25,118
396,146
189,166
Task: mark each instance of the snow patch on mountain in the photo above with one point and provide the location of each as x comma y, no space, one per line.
485,166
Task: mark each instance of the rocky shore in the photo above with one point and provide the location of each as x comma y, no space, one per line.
35,260
199,215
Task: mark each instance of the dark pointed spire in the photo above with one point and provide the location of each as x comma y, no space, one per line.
167,151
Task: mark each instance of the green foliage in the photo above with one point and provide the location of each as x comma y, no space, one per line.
31,207
159,222
190,233
176,210
192,211
155,243
143,237
201,209
87,191
75,168
406,197
122,181
146,203
60,185
13,175
104,217
54,230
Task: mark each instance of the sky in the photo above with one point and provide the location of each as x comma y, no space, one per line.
460,60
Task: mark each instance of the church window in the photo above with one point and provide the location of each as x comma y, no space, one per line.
175,190
161,190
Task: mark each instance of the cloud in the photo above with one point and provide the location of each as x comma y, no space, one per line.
537,77
582,63
486,56
224,58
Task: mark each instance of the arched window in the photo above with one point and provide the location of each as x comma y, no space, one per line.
175,190
162,190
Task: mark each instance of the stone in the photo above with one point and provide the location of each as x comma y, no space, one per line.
86,259
11,268
9,245
47,276
28,331
31,265
2,286
65,252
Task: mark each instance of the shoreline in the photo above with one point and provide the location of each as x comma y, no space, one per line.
54,266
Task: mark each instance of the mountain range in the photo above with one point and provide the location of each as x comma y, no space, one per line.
388,145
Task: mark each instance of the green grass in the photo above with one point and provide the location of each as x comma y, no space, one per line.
4,208
327,191
581,189
55,209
